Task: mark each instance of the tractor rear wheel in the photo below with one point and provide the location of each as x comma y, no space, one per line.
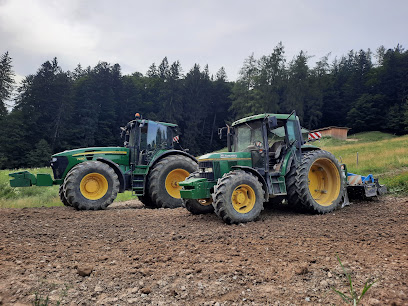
162,182
319,186
63,199
147,201
239,197
91,185
200,206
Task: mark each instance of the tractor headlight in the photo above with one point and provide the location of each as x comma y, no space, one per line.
54,159
207,170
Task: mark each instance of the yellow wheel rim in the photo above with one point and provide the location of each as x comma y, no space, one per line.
243,198
172,180
93,186
324,181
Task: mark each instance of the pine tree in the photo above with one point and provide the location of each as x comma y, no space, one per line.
6,82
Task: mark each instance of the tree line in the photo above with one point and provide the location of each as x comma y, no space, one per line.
55,110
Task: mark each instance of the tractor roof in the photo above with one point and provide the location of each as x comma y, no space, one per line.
167,124
147,121
260,116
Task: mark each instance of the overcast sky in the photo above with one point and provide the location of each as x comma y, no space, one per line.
136,33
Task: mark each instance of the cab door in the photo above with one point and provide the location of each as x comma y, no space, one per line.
294,136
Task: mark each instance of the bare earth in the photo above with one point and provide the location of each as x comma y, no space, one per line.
142,256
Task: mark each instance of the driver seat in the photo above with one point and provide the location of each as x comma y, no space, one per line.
276,149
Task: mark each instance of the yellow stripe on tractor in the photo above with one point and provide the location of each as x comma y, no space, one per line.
101,152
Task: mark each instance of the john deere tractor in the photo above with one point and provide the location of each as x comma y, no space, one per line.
267,159
148,165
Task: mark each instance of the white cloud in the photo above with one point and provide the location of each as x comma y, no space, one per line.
40,27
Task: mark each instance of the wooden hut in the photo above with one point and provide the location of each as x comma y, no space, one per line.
334,131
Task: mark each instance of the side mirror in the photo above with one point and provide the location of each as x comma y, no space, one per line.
272,123
230,132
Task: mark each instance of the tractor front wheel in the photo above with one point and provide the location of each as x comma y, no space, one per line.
63,199
91,185
239,197
198,206
163,188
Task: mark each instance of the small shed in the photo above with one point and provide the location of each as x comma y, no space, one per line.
334,131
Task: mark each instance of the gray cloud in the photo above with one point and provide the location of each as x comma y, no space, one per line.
219,33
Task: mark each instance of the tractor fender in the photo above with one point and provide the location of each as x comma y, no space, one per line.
258,175
119,173
172,152
288,161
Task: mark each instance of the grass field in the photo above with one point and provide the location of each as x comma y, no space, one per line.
384,155
35,196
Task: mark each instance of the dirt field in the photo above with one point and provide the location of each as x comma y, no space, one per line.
141,256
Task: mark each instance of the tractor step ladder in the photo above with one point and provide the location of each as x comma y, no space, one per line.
139,180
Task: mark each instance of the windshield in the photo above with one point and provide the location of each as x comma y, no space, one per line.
156,136
248,134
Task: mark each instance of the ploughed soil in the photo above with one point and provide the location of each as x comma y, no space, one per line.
129,255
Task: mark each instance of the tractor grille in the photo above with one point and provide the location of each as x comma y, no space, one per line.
206,170
58,165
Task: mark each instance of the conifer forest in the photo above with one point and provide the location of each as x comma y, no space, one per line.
54,110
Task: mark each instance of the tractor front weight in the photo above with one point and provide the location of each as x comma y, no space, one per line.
27,179
196,188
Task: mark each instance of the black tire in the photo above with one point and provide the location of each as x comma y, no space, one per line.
319,185
63,199
290,180
198,207
171,170
147,201
231,185
91,185
293,199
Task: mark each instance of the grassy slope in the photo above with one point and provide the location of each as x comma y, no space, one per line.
384,155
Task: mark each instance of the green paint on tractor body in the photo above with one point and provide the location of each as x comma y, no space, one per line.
265,145
146,142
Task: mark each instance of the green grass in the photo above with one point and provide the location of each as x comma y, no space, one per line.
35,196
383,155
353,297
27,196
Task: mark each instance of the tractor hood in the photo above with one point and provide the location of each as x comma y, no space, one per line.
84,152
225,156
62,162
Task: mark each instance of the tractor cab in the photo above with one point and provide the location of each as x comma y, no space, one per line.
146,139
268,138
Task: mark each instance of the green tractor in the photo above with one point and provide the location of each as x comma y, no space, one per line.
267,159
148,165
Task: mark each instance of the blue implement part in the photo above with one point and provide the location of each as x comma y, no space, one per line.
366,188
365,179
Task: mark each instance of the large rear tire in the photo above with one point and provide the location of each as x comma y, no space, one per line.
318,184
200,206
163,188
91,185
239,197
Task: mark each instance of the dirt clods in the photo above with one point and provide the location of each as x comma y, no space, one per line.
129,255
